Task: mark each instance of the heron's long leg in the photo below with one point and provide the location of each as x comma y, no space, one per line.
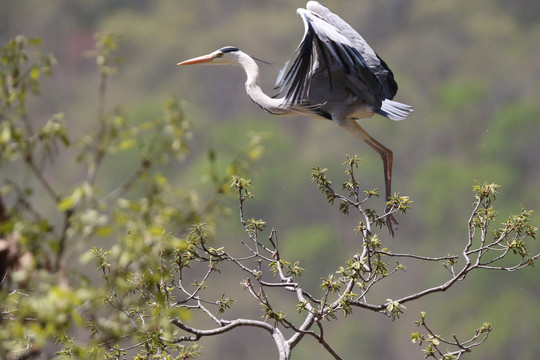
387,158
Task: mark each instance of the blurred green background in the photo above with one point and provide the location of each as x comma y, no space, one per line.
471,69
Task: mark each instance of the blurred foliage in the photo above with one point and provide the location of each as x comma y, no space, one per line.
44,296
470,70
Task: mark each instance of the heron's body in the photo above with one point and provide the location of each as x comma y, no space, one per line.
334,74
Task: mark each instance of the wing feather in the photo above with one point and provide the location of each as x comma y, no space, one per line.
375,63
329,44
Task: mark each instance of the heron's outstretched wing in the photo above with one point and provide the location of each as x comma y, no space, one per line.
347,31
375,63
330,44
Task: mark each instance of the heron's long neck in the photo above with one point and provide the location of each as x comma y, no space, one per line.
253,88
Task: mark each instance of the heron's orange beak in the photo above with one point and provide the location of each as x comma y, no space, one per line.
198,60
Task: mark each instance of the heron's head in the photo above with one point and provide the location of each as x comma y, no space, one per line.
223,56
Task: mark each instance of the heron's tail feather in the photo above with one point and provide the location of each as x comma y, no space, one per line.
394,110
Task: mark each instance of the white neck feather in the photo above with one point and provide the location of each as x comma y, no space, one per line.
253,88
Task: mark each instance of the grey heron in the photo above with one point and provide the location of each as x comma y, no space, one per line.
333,74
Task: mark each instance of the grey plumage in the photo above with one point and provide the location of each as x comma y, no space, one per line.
333,74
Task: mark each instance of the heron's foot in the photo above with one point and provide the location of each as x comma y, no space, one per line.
391,224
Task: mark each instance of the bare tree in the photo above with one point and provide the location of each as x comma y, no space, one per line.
349,289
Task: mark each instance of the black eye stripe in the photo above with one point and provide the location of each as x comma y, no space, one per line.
228,49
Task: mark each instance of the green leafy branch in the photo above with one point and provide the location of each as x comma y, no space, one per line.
435,342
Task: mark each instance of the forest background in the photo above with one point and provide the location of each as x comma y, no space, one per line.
470,69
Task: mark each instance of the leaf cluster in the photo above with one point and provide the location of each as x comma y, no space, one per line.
43,296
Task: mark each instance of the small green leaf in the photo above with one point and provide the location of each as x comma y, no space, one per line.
126,144
35,41
66,203
5,134
156,230
34,74
105,230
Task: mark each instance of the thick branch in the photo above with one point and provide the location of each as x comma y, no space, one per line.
284,348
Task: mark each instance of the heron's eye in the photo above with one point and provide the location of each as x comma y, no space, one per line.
219,54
